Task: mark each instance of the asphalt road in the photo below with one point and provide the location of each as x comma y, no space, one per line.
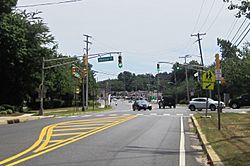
122,137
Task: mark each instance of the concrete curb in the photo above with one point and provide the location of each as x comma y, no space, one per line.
213,158
21,119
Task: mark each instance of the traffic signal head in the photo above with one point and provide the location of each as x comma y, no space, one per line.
217,62
120,61
73,69
158,67
177,65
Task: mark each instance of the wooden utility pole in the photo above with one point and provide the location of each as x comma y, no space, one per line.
199,41
86,63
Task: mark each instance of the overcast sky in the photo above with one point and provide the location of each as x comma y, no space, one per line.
145,31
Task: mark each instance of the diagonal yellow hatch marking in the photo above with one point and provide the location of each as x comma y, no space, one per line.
58,135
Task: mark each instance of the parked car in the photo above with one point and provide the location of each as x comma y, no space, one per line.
167,101
200,103
244,100
141,104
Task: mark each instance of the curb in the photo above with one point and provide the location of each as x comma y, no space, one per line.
213,158
21,119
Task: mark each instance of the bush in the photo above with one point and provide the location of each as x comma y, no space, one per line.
2,108
57,103
183,102
9,111
3,113
7,106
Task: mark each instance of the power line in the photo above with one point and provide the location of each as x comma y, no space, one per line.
242,34
198,18
243,37
48,3
216,17
239,29
209,12
230,30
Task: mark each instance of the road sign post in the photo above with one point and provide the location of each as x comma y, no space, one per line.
218,79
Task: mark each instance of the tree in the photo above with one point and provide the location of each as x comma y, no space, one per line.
23,37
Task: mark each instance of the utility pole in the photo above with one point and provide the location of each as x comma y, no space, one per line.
42,89
187,86
87,75
199,41
202,63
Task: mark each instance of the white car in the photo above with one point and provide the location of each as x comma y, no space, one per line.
200,103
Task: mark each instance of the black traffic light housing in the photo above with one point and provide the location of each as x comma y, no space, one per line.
158,67
120,61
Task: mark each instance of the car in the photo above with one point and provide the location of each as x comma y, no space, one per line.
243,100
200,103
141,104
167,101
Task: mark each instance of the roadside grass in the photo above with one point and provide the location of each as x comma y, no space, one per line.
73,111
232,142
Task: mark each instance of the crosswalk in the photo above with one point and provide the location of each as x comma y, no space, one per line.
114,115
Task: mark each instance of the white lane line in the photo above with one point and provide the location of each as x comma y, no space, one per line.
113,115
140,114
86,116
59,117
153,114
126,114
191,114
179,114
73,116
99,115
166,114
182,145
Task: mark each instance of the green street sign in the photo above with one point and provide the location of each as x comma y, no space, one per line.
105,59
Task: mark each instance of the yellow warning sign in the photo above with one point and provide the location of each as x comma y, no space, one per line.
208,86
208,77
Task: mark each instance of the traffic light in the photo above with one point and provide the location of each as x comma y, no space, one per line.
217,62
120,61
85,60
158,67
85,72
73,70
177,65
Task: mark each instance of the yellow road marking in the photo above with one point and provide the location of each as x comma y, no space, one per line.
49,130
70,129
63,134
55,141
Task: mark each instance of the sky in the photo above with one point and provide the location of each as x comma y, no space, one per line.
145,31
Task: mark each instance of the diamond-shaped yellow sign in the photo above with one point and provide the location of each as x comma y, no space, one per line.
208,86
208,77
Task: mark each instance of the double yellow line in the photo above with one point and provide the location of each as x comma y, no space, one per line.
45,142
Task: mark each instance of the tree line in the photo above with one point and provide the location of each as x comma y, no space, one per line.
24,41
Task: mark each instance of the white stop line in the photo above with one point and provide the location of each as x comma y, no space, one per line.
182,145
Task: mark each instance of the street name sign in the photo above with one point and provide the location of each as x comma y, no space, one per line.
106,59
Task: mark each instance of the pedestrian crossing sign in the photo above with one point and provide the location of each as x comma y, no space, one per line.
208,77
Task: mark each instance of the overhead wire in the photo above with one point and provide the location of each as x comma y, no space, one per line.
206,19
241,35
48,3
230,30
216,17
198,18
239,29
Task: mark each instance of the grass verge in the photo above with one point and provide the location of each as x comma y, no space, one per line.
73,111
232,142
